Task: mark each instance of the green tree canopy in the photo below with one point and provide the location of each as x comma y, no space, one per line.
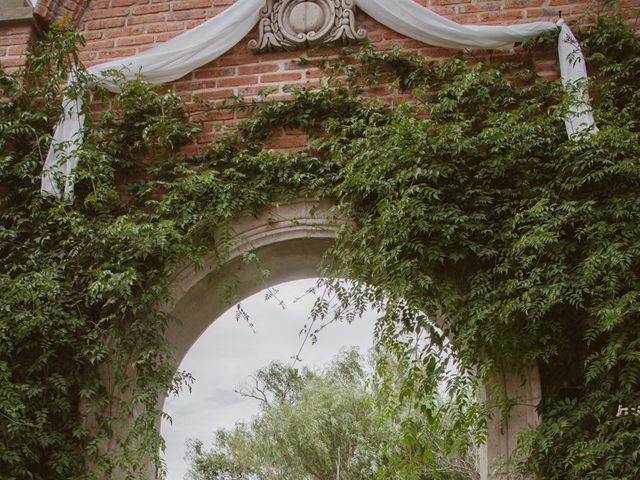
330,424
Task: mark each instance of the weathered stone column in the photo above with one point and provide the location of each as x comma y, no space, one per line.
523,389
18,28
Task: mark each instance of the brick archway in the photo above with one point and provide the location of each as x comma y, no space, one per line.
118,28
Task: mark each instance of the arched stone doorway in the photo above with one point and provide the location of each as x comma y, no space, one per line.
289,240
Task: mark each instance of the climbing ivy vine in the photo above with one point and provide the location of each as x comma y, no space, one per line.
468,203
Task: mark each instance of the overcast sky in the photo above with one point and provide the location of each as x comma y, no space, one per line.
229,351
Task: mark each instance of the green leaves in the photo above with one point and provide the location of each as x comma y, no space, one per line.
331,424
470,208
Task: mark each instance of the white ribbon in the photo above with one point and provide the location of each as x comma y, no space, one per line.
194,48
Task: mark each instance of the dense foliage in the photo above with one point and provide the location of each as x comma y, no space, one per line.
316,425
468,201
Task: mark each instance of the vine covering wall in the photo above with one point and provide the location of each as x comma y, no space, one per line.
468,199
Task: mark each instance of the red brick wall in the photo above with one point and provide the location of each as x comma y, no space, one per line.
119,28
55,10
15,38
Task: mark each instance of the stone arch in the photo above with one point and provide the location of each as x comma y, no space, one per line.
290,239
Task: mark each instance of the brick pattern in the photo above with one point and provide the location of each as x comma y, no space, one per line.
55,10
119,28
14,41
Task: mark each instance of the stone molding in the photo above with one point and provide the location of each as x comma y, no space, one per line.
299,219
294,24
15,11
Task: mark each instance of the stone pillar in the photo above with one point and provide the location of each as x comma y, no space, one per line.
18,28
523,389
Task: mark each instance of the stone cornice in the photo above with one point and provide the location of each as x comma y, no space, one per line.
16,12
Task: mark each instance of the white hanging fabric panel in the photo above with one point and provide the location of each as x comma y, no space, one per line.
573,72
194,48
163,63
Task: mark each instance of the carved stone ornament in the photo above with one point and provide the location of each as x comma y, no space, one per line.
291,24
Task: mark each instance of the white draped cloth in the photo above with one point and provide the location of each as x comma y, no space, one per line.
194,48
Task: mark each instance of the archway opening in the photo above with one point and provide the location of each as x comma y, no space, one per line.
287,242
273,325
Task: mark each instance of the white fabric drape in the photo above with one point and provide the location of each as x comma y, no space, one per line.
163,63
573,71
194,48
175,58
418,22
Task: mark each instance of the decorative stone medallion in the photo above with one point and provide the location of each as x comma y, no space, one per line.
291,24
